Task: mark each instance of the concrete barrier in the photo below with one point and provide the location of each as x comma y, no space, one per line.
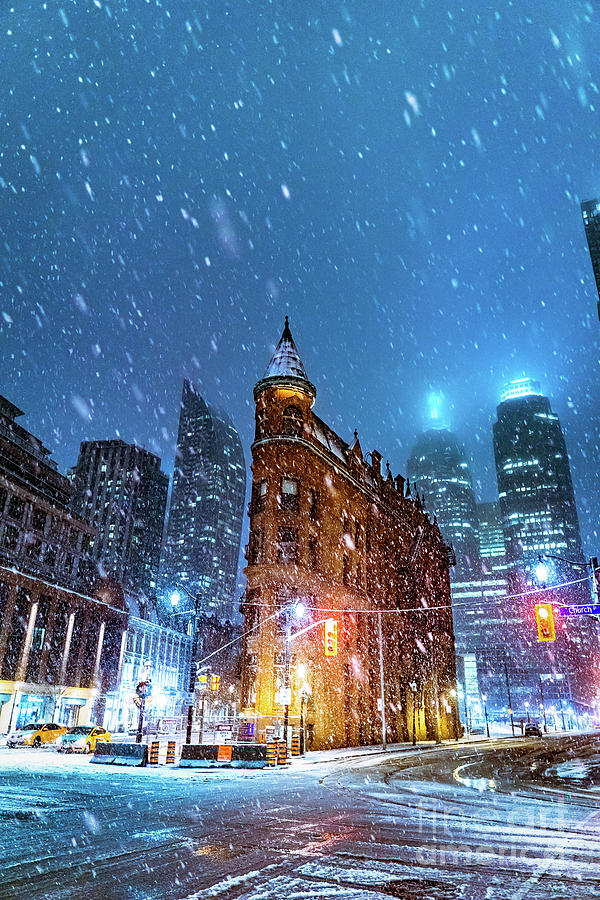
223,756
109,753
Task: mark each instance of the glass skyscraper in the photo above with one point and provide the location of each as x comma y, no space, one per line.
539,518
438,469
121,490
590,211
206,511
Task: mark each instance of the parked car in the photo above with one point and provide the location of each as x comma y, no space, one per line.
35,734
82,739
476,729
532,729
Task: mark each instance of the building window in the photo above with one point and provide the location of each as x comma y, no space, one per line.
261,424
33,547
289,493
50,557
313,505
313,556
3,496
346,569
256,544
252,610
38,519
11,537
287,545
16,507
291,422
259,496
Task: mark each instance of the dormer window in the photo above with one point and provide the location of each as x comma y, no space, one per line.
292,421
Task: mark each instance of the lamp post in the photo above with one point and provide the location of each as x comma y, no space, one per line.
175,601
413,687
485,712
543,705
527,711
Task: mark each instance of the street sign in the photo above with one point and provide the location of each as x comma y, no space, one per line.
592,609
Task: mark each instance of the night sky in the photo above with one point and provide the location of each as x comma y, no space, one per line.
402,179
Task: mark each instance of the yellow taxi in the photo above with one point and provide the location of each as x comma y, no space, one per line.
82,739
35,734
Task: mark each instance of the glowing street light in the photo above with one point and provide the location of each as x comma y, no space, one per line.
542,571
175,598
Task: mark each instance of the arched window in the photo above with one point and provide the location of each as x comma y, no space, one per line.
292,421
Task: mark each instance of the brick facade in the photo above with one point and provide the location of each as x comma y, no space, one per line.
329,530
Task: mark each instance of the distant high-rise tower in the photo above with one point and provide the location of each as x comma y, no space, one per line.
537,503
121,490
590,211
438,469
206,511
537,507
491,539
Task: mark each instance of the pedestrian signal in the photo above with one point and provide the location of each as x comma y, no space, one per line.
214,682
544,618
331,637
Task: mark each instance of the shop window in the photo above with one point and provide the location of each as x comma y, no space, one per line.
291,421
289,494
287,545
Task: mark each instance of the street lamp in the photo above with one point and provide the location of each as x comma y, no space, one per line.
413,687
527,711
485,712
175,599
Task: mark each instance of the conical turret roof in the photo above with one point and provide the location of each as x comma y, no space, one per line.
286,359
286,367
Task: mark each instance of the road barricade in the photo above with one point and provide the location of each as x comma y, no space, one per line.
171,753
153,753
282,751
109,753
271,754
295,745
233,756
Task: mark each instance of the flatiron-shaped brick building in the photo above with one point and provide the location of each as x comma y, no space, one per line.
331,537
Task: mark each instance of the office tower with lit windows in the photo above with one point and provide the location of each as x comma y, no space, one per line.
121,490
438,470
205,518
590,212
539,518
537,503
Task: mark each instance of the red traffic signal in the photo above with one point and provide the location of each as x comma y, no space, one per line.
214,682
544,618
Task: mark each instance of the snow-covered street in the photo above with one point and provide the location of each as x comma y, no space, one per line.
460,821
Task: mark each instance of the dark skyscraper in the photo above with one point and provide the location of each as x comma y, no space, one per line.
537,507
206,511
439,470
537,504
590,211
121,490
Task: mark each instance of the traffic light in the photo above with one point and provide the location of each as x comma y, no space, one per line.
331,637
544,619
214,682
202,682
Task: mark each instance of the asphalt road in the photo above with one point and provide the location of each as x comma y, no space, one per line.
462,822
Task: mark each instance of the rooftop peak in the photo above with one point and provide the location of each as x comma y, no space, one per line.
286,359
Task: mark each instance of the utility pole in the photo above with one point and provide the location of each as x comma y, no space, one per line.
512,721
286,684
382,685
